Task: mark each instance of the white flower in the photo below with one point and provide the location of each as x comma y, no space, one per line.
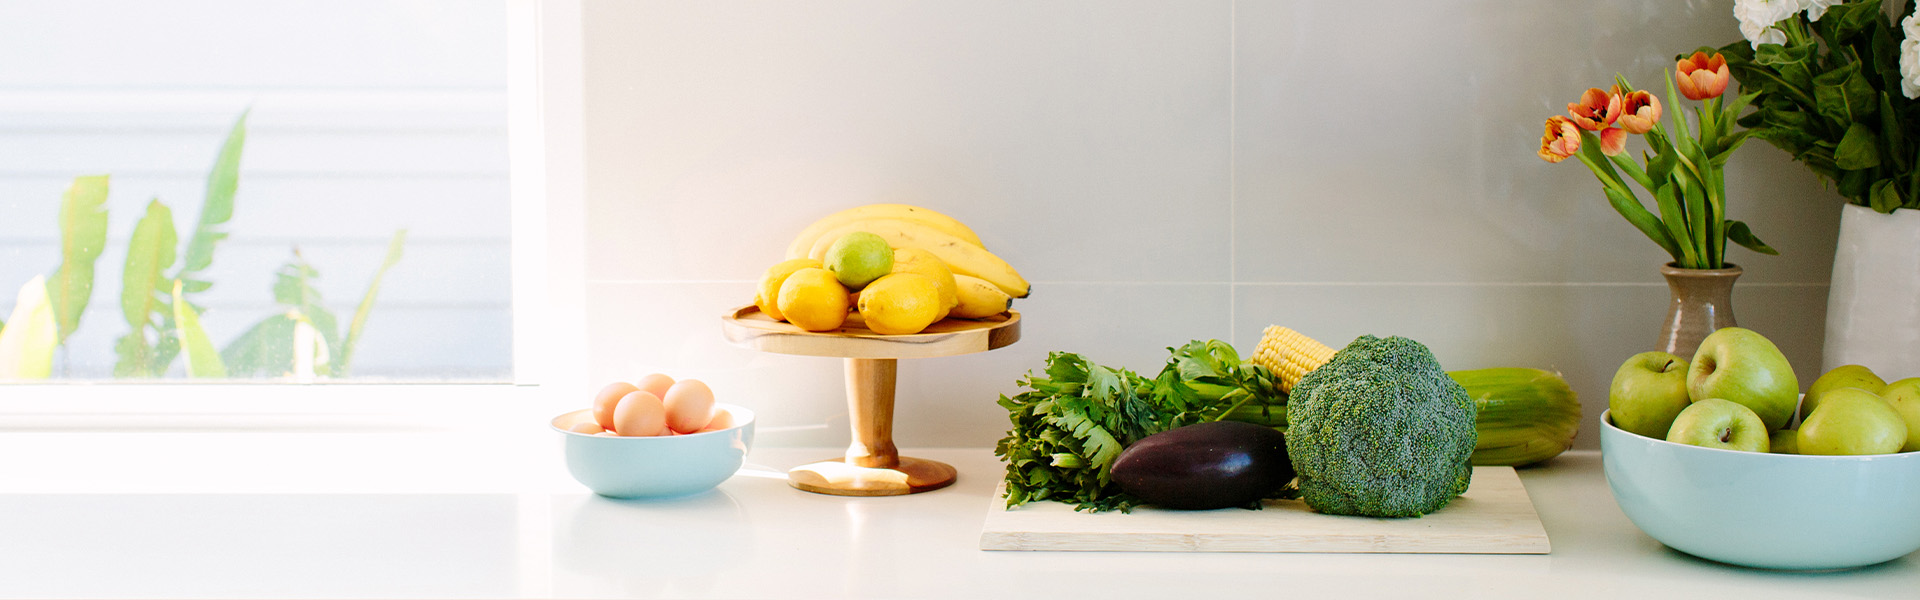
1910,57
1816,8
1758,16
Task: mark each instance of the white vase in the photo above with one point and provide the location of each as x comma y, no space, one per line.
1873,307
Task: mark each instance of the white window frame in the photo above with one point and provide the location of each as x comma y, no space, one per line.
546,186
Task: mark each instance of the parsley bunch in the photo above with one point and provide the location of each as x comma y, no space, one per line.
1071,424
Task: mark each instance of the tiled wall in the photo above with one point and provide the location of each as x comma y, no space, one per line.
1163,171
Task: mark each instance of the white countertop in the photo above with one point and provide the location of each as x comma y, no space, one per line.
409,514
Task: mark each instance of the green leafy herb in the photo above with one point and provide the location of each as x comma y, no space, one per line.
1072,423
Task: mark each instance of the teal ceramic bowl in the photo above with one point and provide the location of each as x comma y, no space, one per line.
656,467
1772,511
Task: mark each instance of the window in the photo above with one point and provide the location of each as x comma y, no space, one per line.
362,120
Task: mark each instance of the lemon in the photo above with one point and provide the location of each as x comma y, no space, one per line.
769,294
901,303
915,260
858,258
812,299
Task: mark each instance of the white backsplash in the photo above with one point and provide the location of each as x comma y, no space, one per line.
1163,171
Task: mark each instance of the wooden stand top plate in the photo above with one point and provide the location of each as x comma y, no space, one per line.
746,326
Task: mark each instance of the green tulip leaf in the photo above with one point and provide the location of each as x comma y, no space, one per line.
1739,233
1637,215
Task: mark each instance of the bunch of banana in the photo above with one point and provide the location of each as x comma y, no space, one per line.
905,226
938,269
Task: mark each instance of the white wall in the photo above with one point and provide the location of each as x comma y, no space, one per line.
1163,171
367,116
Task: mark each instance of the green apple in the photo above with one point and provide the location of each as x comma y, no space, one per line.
1904,395
1723,424
1738,365
1785,441
1853,421
1845,376
1648,391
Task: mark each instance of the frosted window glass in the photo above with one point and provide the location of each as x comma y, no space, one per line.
363,119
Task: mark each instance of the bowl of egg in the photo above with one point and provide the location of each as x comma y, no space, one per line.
655,438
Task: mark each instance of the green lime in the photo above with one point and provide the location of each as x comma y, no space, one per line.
858,258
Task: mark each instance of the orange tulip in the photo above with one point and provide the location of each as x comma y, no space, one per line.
1560,141
1639,111
1596,109
1613,141
1701,77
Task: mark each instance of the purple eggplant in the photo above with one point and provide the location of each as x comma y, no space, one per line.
1205,466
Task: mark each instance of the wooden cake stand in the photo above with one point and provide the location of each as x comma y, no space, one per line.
872,466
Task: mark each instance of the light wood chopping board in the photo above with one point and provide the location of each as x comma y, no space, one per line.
1493,517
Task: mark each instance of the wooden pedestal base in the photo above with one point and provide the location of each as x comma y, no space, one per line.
873,465
836,477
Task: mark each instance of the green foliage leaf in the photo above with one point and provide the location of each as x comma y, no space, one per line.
28,341
83,234
264,350
1739,233
1884,198
1890,134
149,254
202,360
1793,65
1859,149
344,365
1844,96
217,208
1843,22
135,355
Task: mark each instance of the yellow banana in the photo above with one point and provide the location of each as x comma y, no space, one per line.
978,298
961,257
807,238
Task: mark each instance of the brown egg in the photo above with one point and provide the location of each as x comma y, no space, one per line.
656,384
604,400
689,405
639,414
722,419
587,427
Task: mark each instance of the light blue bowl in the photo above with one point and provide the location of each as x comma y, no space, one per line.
656,467
1772,511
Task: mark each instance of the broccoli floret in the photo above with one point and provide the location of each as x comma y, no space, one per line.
1381,431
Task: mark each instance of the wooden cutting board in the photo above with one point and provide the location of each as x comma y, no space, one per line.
1493,517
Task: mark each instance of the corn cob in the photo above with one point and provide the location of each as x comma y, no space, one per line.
1290,355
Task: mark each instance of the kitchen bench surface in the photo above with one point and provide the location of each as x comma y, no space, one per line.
524,530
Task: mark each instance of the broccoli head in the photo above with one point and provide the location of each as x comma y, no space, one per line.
1381,431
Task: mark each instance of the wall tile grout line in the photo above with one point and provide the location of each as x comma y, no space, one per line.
1233,172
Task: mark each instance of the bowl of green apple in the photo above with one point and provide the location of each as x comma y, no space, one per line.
1722,458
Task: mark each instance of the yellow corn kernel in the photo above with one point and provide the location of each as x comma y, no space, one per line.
1290,355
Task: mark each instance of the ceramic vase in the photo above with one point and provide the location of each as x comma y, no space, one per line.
1873,306
1702,303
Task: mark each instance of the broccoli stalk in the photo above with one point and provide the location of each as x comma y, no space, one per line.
1381,431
